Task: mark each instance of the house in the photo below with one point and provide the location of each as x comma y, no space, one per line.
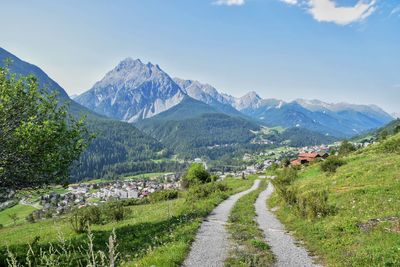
308,157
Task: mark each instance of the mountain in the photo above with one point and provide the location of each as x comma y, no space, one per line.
132,91
391,128
24,68
195,129
340,120
300,137
207,94
396,115
118,147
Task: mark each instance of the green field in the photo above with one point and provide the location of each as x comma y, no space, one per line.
145,175
20,210
152,234
364,228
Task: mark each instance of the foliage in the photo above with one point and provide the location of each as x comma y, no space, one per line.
201,191
65,254
196,174
331,164
249,246
346,148
163,195
38,140
282,184
82,218
314,204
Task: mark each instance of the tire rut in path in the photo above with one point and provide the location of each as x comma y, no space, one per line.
283,245
211,244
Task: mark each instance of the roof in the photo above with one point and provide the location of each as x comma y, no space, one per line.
309,155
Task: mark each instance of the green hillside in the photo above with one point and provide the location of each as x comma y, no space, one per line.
391,128
192,127
359,224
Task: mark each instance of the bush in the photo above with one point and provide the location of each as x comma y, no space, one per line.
196,174
78,223
115,211
331,164
283,184
346,148
204,191
313,204
163,195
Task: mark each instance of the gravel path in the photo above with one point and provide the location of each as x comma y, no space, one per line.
211,244
282,244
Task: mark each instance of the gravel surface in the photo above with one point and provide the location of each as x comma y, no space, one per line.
283,245
211,244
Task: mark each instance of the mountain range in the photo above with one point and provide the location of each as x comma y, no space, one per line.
134,91
141,117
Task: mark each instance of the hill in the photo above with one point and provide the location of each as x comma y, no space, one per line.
116,142
357,220
194,129
390,128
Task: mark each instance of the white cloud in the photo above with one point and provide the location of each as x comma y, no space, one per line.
230,2
395,10
328,11
290,2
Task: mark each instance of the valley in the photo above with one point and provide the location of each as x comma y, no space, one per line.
167,158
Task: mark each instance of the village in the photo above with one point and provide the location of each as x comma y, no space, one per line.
96,193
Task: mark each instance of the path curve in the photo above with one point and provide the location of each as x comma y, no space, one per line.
211,244
283,245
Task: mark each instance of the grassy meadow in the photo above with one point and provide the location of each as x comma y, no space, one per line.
363,228
157,233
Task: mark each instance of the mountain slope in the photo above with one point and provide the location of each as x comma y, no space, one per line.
132,91
193,128
363,196
207,94
340,120
115,142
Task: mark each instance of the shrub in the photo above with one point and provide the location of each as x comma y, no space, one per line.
203,191
115,211
313,204
283,184
78,223
196,174
331,164
163,195
346,148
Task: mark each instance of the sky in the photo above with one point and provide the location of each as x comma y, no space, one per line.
332,50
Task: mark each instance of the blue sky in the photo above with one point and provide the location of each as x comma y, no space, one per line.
333,50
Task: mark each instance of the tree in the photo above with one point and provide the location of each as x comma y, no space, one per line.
196,174
346,148
38,139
